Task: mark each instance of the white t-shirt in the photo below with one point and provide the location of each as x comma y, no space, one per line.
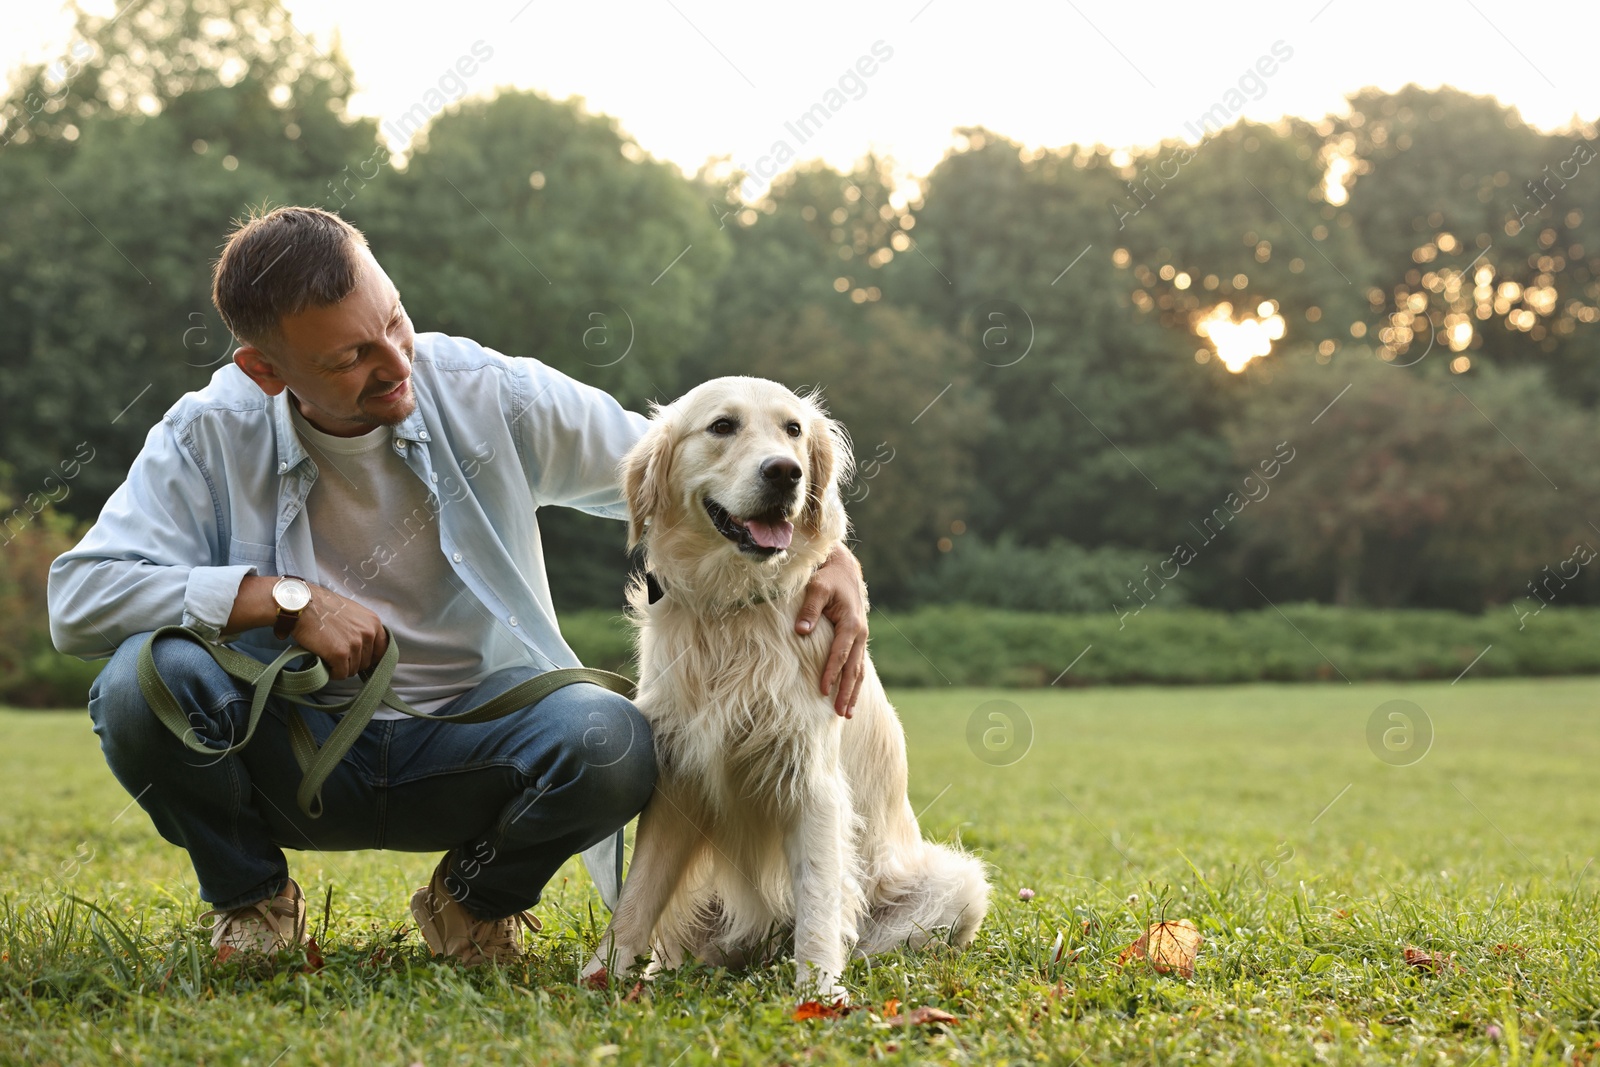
365,507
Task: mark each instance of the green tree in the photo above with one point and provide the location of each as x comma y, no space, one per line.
113,200
1487,232
1408,487
1103,428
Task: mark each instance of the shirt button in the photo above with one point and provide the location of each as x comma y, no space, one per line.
423,435
512,620
456,557
399,446
433,477
282,467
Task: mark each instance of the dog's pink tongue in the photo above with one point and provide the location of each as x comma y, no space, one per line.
770,534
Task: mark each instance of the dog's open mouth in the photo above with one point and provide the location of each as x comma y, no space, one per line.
759,535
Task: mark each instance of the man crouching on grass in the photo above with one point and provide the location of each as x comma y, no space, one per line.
343,474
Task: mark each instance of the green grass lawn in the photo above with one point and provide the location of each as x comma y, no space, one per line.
1258,812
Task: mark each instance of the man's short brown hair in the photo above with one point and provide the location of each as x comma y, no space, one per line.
281,263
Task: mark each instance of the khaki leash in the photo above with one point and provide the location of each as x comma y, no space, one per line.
275,679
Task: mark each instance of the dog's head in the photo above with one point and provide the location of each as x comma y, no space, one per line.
737,469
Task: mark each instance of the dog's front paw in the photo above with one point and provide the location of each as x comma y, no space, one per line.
837,995
821,986
825,1002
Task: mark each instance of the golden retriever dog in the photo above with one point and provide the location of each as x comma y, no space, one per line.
770,811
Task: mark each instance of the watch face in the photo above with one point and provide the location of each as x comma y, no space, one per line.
291,594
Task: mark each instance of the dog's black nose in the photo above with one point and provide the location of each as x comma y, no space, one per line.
781,471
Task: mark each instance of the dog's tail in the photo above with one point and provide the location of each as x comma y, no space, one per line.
930,891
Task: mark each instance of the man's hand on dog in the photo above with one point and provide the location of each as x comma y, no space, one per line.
836,590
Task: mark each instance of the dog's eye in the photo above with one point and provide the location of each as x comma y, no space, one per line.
793,428
723,427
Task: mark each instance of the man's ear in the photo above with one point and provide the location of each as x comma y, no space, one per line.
645,471
255,363
829,462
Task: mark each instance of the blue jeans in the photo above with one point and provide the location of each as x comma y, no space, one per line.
508,801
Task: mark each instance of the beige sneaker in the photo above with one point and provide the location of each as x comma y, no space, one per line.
266,926
450,929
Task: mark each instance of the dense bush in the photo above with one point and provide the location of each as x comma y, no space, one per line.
960,645
963,645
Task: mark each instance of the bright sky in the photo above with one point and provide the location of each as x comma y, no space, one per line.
691,79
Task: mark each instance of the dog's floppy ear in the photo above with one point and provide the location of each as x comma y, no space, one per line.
829,464
645,470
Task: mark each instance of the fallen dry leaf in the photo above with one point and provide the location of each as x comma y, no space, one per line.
891,1006
314,961
1503,949
811,1009
923,1016
1424,961
633,994
1169,946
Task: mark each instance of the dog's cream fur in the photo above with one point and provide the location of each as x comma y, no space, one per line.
769,810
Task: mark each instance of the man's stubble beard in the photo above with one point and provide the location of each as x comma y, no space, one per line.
411,396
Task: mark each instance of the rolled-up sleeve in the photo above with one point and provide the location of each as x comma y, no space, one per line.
573,437
153,557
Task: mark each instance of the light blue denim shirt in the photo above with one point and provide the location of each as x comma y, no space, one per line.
218,493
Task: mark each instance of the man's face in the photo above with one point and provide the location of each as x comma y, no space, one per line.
347,366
